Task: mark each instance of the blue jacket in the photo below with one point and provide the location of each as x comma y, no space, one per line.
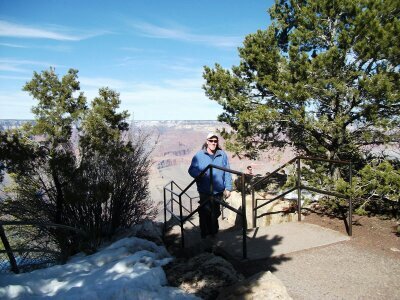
221,180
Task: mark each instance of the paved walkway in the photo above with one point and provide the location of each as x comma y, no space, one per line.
313,262
277,240
337,271
263,242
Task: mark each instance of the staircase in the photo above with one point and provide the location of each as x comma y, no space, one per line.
262,242
234,238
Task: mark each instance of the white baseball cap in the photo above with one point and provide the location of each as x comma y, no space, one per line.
211,134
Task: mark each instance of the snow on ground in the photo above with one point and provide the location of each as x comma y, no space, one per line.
130,268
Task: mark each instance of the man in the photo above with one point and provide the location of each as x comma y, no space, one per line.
211,153
248,179
249,170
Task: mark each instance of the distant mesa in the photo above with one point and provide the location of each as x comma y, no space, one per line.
181,152
6,124
14,123
165,163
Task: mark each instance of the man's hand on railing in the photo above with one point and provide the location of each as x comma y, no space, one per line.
227,194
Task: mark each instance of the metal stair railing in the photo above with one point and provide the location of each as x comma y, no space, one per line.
168,188
299,187
9,251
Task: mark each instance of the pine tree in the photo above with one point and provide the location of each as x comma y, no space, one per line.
76,165
323,78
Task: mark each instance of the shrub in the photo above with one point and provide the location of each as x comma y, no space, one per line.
88,171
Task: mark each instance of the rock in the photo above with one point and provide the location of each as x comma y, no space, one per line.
149,230
279,211
202,275
263,285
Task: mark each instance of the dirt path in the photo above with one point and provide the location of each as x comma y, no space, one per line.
366,267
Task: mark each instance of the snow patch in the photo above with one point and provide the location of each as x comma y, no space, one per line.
130,268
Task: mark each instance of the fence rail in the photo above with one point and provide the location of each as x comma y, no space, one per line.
300,187
169,189
28,256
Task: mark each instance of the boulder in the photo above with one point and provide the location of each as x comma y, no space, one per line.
276,212
202,275
148,230
263,285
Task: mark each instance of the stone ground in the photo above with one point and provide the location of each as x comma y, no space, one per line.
365,267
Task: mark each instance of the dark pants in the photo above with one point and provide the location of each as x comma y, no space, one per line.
209,214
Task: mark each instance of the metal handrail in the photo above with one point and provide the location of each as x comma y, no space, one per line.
273,172
43,224
301,187
10,252
275,198
169,188
183,192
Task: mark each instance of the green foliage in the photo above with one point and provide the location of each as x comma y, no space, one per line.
323,78
378,189
102,124
77,165
57,106
375,189
380,179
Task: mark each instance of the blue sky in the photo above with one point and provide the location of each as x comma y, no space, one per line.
151,52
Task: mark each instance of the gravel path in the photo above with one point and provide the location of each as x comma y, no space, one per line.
340,271
365,267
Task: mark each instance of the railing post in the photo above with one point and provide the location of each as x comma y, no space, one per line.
191,204
172,197
212,199
211,181
244,217
351,202
13,262
253,205
165,212
181,221
298,190
222,208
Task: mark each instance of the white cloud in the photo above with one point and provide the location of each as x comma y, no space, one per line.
9,29
185,68
179,65
154,31
177,100
12,68
12,45
21,65
172,99
184,83
59,48
10,77
102,82
132,49
16,105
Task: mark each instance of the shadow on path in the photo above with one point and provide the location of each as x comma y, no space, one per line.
228,244
208,277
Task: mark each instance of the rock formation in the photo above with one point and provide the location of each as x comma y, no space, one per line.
276,212
202,275
263,285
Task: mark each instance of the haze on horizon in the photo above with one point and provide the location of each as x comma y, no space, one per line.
151,52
